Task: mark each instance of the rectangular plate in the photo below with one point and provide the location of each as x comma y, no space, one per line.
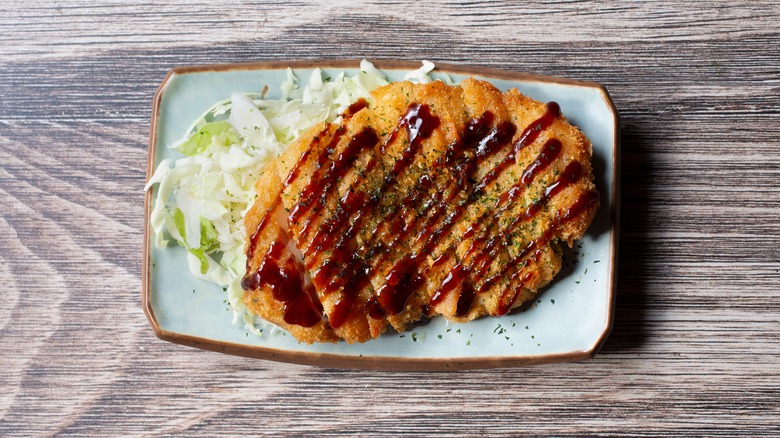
569,321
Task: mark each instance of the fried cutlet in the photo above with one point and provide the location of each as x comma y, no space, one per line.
429,200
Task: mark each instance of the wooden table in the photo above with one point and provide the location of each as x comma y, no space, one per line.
695,347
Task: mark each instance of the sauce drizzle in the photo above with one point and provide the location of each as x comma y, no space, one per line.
301,306
345,269
479,264
420,123
354,108
478,142
300,302
581,204
306,198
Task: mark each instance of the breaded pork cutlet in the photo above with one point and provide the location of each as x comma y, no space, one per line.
430,200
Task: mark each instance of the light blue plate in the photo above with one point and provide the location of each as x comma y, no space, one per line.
569,321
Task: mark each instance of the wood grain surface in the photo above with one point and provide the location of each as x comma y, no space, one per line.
695,349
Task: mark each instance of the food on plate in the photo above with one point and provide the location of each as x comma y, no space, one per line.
424,199
202,195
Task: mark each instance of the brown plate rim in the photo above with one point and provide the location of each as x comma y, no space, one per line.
373,362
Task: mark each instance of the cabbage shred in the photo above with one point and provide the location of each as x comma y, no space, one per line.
201,198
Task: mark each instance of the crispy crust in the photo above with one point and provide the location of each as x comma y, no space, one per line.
454,106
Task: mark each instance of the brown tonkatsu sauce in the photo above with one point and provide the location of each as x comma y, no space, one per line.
301,306
344,225
482,252
428,214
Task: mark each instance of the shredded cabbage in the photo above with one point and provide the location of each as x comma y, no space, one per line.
202,197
